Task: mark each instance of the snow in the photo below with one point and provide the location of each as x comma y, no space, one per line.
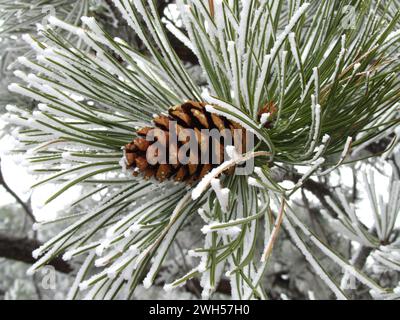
164,241
120,264
235,71
54,21
316,81
202,214
135,228
392,36
293,21
332,255
79,276
245,77
340,58
15,109
20,74
206,181
264,118
309,172
243,27
312,260
132,224
254,183
222,194
219,227
171,286
346,148
180,36
45,258
230,109
28,39
261,80
294,49
263,178
307,88
343,156
319,150
68,255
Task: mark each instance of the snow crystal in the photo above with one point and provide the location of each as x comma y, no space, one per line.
294,19
104,245
261,80
180,36
80,275
254,183
132,229
392,36
164,246
61,24
193,253
29,40
310,171
294,49
222,194
36,253
202,214
264,118
232,153
123,163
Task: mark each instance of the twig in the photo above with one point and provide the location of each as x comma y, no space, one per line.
355,191
275,232
211,5
16,197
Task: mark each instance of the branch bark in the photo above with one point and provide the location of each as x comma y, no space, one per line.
20,249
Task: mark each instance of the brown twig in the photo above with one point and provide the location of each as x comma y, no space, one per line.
211,5
275,232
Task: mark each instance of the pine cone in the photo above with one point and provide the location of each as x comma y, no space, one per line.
140,153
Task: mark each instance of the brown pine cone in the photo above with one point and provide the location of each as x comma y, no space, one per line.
142,155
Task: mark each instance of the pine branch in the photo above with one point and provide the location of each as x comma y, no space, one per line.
334,90
184,53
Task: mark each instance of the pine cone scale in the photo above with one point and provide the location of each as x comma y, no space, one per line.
142,155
